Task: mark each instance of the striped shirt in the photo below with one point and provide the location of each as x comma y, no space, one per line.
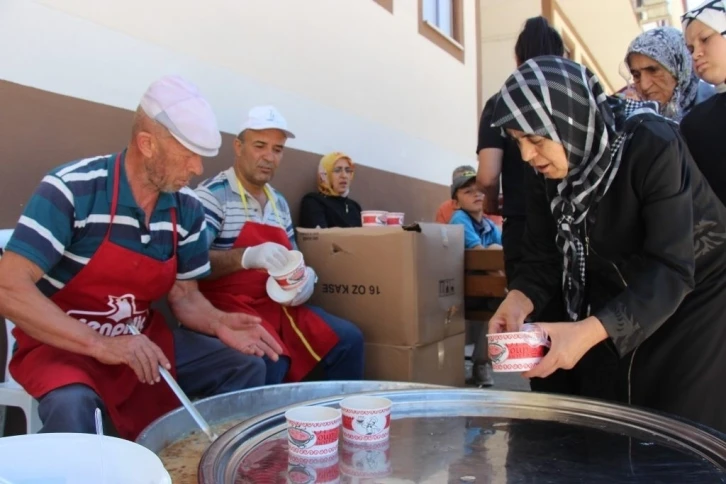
67,216
225,212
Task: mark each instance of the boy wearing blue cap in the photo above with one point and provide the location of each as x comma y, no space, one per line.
479,231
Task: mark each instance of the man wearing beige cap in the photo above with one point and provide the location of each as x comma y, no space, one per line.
251,234
100,240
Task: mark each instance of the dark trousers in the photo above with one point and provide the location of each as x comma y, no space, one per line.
204,365
344,362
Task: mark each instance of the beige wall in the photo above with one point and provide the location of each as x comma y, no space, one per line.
598,37
349,75
501,22
605,29
676,10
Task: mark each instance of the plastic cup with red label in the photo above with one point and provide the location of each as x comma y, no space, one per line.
394,218
292,275
366,419
313,431
306,470
520,351
374,218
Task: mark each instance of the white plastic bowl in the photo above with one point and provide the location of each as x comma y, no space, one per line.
78,458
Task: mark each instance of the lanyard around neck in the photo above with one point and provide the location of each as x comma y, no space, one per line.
269,196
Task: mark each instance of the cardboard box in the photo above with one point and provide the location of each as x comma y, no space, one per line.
401,286
440,363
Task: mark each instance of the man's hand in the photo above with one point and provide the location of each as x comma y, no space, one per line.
570,342
247,338
511,313
239,321
269,256
138,352
305,292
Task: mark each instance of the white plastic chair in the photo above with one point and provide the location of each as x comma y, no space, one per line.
12,394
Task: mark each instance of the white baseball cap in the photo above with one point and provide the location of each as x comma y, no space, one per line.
266,117
178,105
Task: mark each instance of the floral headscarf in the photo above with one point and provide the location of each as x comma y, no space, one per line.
667,46
325,173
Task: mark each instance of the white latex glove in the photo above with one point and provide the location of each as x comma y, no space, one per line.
305,291
269,256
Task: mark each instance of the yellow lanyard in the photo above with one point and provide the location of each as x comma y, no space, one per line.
270,198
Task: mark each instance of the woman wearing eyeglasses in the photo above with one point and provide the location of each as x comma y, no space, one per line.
330,206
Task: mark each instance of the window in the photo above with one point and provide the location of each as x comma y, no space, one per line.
569,53
441,14
442,22
569,46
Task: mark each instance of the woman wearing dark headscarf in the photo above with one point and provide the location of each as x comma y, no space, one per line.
623,222
330,206
662,71
705,29
500,160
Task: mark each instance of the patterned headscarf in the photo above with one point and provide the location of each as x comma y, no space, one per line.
667,46
713,14
325,173
564,102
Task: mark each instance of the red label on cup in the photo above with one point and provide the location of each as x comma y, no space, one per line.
325,437
348,422
520,351
292,280
306,437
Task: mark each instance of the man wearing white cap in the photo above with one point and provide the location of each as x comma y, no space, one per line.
98,242
250,234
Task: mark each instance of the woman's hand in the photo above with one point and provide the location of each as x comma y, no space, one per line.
570,342
511,313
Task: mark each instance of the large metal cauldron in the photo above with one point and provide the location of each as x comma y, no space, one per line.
486,437
245,404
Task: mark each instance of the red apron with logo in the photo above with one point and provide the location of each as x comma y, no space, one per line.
303,335
116,287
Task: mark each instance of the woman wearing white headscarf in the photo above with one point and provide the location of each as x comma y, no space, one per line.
703,128
619,219
662,71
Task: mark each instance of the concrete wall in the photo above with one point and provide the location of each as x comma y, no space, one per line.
350,76
597,32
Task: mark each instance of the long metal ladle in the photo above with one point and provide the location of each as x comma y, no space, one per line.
182,396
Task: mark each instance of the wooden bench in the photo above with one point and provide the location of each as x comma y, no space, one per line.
484,278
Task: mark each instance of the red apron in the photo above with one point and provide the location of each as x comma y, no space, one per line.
116,287
303,335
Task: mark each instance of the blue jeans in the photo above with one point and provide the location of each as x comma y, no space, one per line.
343,362
204,365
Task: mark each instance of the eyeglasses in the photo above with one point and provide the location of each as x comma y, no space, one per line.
338,170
